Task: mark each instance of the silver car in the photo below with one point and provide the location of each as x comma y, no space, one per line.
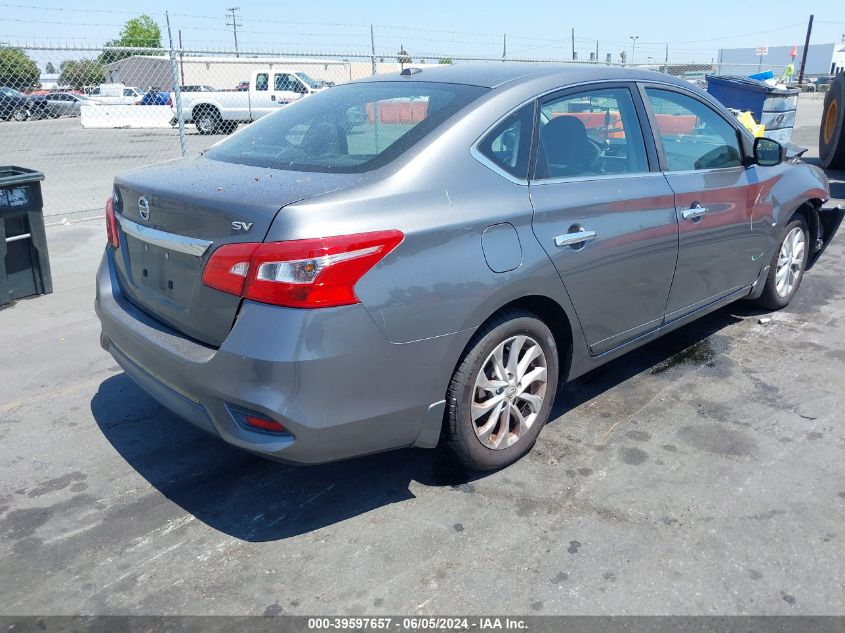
66,103
311,290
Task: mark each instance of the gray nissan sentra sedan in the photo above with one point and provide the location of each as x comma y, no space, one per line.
424,257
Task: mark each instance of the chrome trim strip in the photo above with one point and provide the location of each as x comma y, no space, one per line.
489,164
171,241
16,238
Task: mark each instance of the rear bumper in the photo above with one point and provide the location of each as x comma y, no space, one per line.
329,376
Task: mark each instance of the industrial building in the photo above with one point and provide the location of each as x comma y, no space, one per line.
144,71
822,59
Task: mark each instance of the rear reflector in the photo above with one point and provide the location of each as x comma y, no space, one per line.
262,424
111,224
312,273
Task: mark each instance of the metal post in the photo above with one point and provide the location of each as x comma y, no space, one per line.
597,51
372,48
181,62
504,46
804,54
666,61
573,43
177,90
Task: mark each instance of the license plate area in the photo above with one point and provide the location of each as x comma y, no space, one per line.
165,273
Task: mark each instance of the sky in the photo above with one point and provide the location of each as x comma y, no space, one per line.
693,31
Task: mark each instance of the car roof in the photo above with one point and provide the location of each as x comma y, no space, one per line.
495,75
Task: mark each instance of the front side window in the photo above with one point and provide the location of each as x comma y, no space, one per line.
694,136
592,133
508,145
287,83
262,81
348,129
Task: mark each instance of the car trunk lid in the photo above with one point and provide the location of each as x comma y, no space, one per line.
175,214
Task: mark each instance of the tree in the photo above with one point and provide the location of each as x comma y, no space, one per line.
402,56
444,60
79,73
140,32
17,70
50,69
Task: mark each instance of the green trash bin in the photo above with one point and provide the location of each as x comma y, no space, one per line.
24,261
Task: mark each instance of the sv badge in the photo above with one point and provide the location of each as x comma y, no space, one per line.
241,226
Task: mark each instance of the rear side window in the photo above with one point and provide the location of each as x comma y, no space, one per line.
591,133
508,145
346,129
694,136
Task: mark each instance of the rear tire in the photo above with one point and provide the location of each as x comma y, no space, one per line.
208,121
786,270
832,130
502,391
20,113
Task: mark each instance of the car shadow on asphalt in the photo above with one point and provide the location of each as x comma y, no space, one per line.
257,500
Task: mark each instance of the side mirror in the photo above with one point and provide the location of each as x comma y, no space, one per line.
767,153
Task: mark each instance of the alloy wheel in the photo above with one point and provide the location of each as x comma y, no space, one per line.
509,392
790,262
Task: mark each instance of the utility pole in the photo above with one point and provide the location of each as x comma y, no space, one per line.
597,51
232,12
373,47
634,39
504,46
804,54
573,43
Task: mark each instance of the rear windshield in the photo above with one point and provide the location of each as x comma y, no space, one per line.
346,129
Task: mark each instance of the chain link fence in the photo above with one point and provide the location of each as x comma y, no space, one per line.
103,111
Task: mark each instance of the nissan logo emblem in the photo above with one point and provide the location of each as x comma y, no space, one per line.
143,208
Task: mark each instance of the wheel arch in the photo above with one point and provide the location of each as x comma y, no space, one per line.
549,312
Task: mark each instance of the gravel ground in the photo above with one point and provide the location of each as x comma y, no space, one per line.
702,474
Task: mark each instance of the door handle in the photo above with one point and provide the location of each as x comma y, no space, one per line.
577,237
694,212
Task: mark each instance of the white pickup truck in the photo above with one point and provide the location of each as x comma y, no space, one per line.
221,111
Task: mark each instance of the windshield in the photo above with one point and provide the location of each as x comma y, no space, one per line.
348,129
308,80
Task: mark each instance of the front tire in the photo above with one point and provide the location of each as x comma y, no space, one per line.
502,391
786,270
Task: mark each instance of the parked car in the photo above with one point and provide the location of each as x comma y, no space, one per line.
242,86
116,94
222,111
154,96
197,88
20,107
310,293
66,103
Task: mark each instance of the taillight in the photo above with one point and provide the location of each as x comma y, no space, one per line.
111,224
312,273
228,268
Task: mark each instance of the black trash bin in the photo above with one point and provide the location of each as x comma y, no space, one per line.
24,261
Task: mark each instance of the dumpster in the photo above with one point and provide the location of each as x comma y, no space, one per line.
772,107
24,261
